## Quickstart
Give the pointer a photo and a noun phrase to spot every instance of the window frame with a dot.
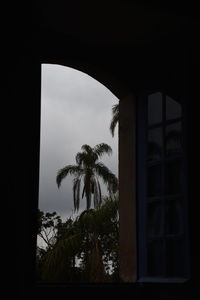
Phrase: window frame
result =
(142, 163)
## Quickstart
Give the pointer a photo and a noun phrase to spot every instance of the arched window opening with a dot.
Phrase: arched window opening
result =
(78, 192)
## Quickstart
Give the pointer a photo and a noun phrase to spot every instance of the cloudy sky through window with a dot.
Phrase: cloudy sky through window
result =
(75, 110)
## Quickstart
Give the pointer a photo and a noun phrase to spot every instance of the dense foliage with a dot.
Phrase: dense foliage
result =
(81, 250)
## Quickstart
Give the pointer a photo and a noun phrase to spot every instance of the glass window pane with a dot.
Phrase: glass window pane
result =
(154, 215)
(155, 258)
(173, 177)
(173, 109)
(154, 151)
(174, 258)
(154, 181)
(173, 139)
(173, 217)
(154, 108)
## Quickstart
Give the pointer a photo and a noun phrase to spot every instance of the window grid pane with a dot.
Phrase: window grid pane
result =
(155, 108)
(173, 138)
(164, 210)
(155, 259)
(155, 144)
(173, 109)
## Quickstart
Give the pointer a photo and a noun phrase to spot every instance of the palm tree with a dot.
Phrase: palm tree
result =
(87, 170)
(115, 118)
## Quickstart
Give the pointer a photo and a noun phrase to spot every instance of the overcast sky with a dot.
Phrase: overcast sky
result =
(75, 110)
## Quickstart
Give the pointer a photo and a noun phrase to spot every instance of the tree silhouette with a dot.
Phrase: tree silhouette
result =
(88, 170)
(93, 239)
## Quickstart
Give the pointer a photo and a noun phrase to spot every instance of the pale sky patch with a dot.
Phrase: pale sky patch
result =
(76, 109)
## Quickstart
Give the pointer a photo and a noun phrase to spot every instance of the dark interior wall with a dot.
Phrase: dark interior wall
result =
(21, 121)
(193, 169)
(163, 63)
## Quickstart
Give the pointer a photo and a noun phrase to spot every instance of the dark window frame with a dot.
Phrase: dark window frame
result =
(142, 128)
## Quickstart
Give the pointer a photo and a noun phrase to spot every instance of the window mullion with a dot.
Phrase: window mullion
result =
(163, 182)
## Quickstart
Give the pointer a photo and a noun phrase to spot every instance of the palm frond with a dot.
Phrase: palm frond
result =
(101, 149)
(83, 192)
(108, 177)
(86, 148)
(115, 109)
(86, 158)
(115, 118)
(78, 196)
(80, 156)
(76, 193)
(99, 189)
(88, 187)
(70, 169)
(95, 197)
(95, 192)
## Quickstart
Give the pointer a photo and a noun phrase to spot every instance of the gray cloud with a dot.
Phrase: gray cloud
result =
(75, 110)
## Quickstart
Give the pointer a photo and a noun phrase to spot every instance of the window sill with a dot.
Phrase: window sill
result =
(162, 280)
